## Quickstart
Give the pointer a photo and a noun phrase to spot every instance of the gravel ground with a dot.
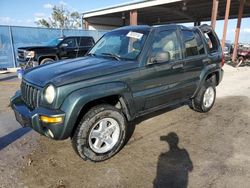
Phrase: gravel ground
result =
(178, 148)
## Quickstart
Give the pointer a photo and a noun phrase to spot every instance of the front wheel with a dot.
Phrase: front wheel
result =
(100, 134)
(204, 100)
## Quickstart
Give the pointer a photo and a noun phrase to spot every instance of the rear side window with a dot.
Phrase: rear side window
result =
(85, 41)
(211, 42)
(199, 43)
(190, 43)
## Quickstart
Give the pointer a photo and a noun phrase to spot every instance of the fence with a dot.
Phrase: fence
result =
(13, 37)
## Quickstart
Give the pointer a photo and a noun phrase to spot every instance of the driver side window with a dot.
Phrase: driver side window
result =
(71, 42)
(167, 43)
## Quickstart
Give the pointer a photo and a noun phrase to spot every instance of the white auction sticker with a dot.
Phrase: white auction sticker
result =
(134, 35)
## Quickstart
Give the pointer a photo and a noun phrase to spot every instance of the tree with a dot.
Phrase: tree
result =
(61, 18)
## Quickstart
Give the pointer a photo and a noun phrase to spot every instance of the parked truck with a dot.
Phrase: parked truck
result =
(54, 50)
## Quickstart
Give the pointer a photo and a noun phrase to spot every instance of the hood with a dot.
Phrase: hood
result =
(69, 71)
(29, 48)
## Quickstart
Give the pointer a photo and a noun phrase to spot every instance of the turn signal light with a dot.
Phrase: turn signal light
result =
(47, 119)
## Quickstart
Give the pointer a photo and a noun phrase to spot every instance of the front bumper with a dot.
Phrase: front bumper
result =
(31, 118)
(26, 62)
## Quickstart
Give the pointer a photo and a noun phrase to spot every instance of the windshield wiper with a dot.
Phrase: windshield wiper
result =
(115, 56)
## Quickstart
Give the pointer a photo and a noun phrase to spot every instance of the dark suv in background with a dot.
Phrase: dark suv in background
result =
(56, 49)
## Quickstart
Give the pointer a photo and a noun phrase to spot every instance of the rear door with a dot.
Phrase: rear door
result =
(194, 56)
(84, 43)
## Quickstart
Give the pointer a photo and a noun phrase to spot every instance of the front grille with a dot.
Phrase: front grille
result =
(30, 95)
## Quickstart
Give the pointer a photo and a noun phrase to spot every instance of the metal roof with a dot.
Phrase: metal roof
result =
(126, 7)
(154, 12)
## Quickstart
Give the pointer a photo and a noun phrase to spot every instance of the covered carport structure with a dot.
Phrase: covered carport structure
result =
(154, 12)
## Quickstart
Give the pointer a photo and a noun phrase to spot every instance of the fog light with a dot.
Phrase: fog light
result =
(47, 119)
(49, 133)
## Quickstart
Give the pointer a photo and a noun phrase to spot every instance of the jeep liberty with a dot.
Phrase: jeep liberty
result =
(131, 71)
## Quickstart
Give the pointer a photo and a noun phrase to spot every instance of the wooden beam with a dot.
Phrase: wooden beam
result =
(225, 24)
(237, 31)
(214, 13)
(133, 17)
(86, 24)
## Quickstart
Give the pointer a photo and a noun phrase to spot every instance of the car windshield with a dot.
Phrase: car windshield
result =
(120, 44)
(53, 42)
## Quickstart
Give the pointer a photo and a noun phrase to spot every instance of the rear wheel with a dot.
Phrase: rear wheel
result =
(100, 134)
(46, 60)
(204, 100)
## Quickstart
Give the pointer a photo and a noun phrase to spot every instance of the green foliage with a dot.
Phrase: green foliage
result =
(61, 18)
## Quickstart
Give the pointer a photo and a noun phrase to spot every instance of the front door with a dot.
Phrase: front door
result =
(69, 48)
(163, 80)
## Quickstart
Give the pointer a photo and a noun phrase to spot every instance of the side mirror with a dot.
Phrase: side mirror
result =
(160, 57)
(64, 45)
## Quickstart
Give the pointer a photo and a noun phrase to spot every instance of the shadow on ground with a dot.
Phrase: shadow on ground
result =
(8, 78)
(174, 165)
(13, 136)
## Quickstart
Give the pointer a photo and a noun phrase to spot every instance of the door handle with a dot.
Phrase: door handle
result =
(177, 66)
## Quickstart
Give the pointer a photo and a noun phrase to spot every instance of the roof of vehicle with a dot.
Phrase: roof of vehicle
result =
(135, 27)
(147, 27)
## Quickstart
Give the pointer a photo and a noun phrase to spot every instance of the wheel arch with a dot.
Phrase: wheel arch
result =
(116, 100)
(213, 72)
(77, 104)
(51, 56)
(214, 77)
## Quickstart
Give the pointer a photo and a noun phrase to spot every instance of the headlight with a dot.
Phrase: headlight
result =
(49, 94)
(29, 54)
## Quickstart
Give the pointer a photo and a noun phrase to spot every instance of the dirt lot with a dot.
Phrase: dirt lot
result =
(177, 148)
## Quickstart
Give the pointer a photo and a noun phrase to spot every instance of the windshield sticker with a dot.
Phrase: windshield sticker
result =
(134, 35)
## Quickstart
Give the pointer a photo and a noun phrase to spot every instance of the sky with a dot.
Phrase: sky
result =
(26, 12)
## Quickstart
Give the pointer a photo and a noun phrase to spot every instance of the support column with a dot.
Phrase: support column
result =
(86, 24)
(123, 19)
(237, 31)
(225, 24)
(133, 17)
(214, 13)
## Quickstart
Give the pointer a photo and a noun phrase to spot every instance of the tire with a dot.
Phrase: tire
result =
(46, 60)
(204, 100)
(100, 134)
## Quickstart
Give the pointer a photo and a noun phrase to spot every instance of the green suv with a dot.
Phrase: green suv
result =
(130, 72)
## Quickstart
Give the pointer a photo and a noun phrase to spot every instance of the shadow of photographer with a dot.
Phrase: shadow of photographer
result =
(173, 166)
